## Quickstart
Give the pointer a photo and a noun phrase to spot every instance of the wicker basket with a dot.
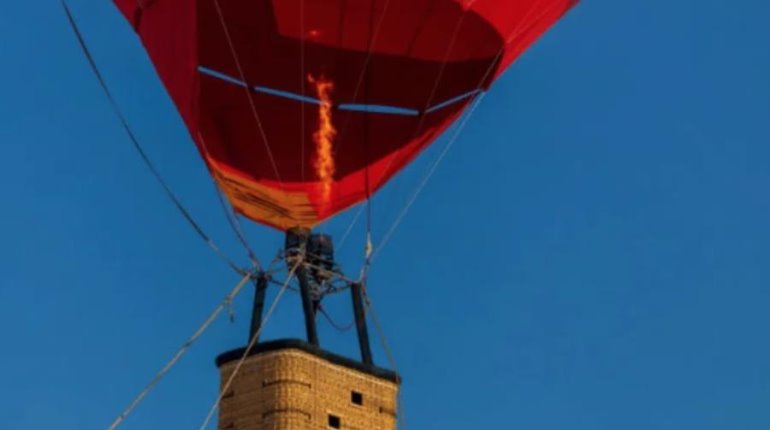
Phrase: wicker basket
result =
(293, 385)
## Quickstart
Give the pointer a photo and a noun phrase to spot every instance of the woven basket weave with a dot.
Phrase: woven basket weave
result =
(293, 388)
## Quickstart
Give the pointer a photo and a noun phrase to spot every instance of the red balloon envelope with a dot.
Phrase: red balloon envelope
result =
(302, 108)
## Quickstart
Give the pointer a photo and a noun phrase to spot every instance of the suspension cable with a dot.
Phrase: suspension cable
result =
(229, 211)
(302, 85)
(248, 91)
(514, 33)
(470, 109)
(352, 224)
(436, 82)
(180, 352)
(368, 246)
(426, 178)
(374, 32)
(135, 141)
(235, 225)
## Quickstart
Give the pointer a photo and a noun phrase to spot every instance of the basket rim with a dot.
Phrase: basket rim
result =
(297, 344)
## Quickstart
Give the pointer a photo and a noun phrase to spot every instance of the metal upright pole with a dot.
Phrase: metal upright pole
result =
(359, 312)
(259, 305)
(296, 253)
(307, 305)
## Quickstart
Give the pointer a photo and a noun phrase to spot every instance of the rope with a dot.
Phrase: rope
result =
(426, 178)
(338, 327)
(470, 110)
(271, 268)
(336, 274)
(372, 40)
(353, 222)
(369, 251)
(439, 76)
(386, 348)
(182, 350)
(441, 69)
(514, 33)
(230, 214)
(250, 346)
(235, 225)
(374, 32)
(135, 141)
(302, 84)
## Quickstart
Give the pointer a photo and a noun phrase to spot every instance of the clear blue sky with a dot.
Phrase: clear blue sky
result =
(594, 253)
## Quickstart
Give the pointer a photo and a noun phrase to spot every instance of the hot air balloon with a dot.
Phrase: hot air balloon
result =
(402, 71)
(303, 108)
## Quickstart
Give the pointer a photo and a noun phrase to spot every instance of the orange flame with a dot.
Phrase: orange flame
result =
(324, 137)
